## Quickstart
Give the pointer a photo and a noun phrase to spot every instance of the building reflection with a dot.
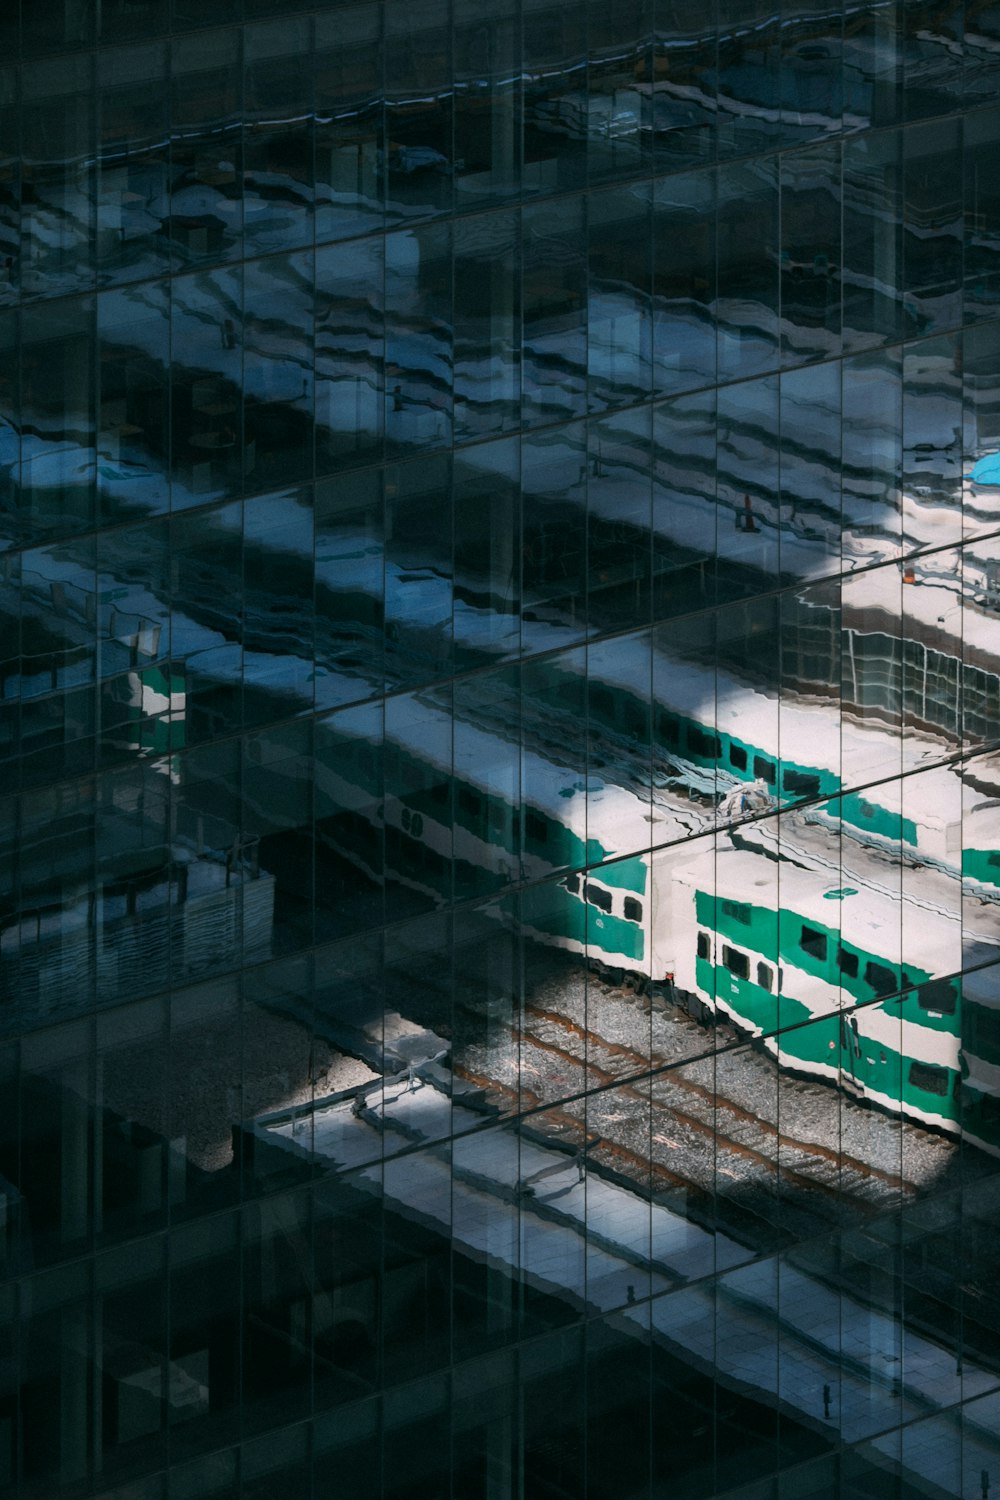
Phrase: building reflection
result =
(499, 708)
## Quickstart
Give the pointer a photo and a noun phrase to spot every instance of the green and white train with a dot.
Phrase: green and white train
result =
(816, 974)
(712, 733)
(822, 976)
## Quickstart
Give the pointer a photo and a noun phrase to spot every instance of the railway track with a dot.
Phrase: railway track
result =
(786, 1152)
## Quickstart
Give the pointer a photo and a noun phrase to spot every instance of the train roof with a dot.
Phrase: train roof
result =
(870, 915)
(792, 728)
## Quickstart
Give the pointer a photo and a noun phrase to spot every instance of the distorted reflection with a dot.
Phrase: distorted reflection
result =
(499, 787)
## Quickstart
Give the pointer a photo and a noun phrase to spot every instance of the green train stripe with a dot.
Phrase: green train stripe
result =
(777, 937)
(981, 1031)
(870, 818)
(982, 865)
(713, 749)
(568, 916)
(830, 1043)
(623, 875)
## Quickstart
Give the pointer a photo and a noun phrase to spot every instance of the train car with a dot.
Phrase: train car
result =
(436, 806)
(713, 733)
(823, 1004)
(981, 1057)
(447, 797)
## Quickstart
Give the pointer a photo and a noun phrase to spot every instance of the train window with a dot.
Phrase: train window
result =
(737, 756)
(597, 897)
(765, 769)
(881, 979)
(700, 742)
(572, 884)
(847, 963)
(736, 962)
(739, 910)
(499, 814)
(764, 976)
(930, 1079)
(704, 945)
(800, 783)
(981, 1025)
(469, 801)
(985, 1110)
(633, 909)
(602, 703)
(813, 942)
(535, 828)
(670, 729)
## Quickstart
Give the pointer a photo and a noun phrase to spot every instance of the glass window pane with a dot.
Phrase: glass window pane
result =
(683, 282)
(206, 150)
(487, 612)
(278, 370)
(684, 505)
(278, 136)
(133, 199)
(419, 572)
(749, 62)
(554, 479)
(207, 371)
(812, 53)
(57, 222)
(555, 95)
(350, 341)
(487, 326)
(619, 324)
(618, 520)
(680, 112)
(11, 169)
(554, 310)
(419, 309)
(810, 472)
(279, 624)
(749, 445)
(619, 42)
(873, 242)
(419, 94)
(487, 96)
(873, 64)
(932, 226)
(871, 461)
(982, 137)
(58, 469)
(133, 443)
(349, 129)
(811, 259)
(747, 305)
(207, 618)
(350, 853)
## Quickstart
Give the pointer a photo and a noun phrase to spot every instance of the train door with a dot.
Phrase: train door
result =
(850, 1053)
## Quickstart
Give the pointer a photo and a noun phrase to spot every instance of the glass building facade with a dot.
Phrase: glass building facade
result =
(499, 750)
